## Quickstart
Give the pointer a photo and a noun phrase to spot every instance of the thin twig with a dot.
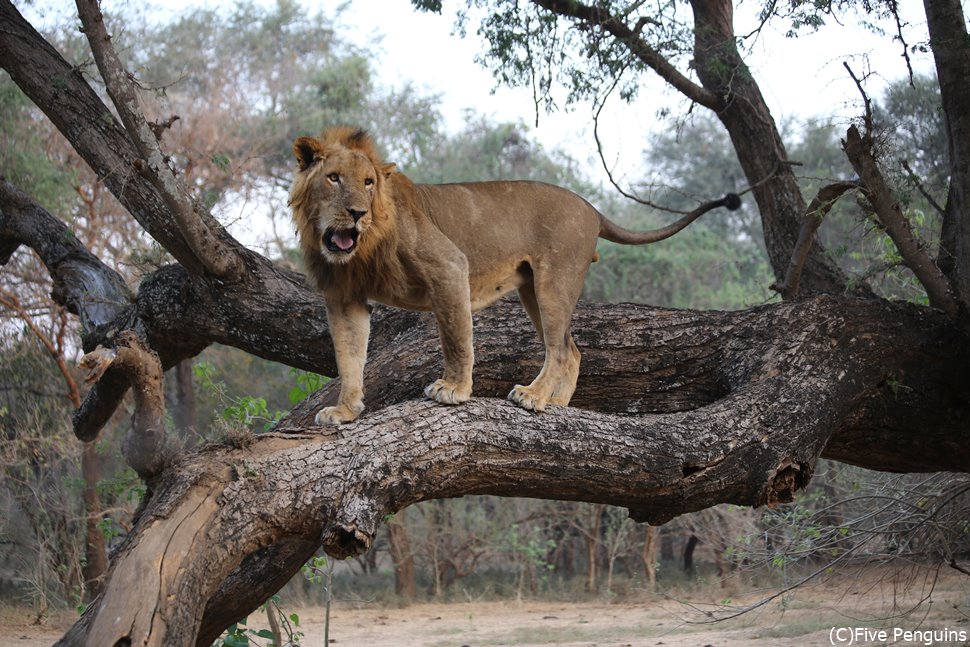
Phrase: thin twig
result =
(602, 156)
(919, 187)
(867, 118)
(894, 10)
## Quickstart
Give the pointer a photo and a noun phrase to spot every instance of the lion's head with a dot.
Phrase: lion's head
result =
(340, 197)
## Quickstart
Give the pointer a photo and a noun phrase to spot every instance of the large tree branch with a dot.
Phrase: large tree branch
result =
(145, 447)
(772, 389)
(203, 235)
(60, 90)
(858, 149)
(82, 283)
(820, 205)
(632, 362)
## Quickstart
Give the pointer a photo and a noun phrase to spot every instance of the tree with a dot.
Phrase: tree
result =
(676, 410)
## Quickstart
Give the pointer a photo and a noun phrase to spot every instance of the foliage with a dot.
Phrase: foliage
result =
(529, 47)
(225, 381)
(240, 634)
(23, 136)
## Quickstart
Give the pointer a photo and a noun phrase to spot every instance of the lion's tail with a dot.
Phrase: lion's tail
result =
(617, 234)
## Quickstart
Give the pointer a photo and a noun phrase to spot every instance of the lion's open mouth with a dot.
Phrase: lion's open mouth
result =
(340, 240)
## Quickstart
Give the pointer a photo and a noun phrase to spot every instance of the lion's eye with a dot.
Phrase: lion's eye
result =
(369, 181)
(333, 177)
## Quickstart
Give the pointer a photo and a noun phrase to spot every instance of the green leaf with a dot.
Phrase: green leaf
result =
(221, 161)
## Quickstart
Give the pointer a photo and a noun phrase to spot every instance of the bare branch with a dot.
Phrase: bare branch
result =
(922, 189)
(9, 300)
(626, 194)
(602, 156)
(858, 148)
(821, 204)
(199, 232)
(893, 6)
(867, 117)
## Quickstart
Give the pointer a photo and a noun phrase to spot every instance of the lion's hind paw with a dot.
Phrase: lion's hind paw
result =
(526, 398)
(447, 392)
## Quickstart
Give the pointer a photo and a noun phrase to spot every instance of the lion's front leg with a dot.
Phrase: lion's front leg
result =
(451, 301)
(349, 329)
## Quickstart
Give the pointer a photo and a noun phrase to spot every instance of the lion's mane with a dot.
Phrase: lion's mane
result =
(375, 263)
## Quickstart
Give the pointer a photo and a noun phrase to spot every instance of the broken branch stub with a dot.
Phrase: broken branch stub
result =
(145, 447)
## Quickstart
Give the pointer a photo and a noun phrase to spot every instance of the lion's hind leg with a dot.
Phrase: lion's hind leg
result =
(555, 383)
(550, 307)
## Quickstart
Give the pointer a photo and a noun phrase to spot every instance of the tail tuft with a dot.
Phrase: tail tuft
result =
(732, 201)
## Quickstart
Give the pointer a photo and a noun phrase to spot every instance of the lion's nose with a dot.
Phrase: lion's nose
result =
(356, 214)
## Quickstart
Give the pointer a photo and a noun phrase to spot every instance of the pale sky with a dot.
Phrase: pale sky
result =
(802, 77)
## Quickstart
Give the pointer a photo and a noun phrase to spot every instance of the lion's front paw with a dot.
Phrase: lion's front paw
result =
(337, 415)
(527, 398)
(447, 392)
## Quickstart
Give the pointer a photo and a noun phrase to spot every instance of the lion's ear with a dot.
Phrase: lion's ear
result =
(387, 169)
(306, 150)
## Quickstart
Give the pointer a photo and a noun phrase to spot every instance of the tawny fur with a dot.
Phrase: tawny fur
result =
(449, 248)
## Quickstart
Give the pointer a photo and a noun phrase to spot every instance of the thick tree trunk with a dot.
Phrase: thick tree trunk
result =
(951, 50)
(689, 547)
(648, 555)
(95, 548)
(405, 585)
(591, 534)
(758, 144)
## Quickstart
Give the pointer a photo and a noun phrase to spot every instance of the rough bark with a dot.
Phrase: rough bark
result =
(744, 404)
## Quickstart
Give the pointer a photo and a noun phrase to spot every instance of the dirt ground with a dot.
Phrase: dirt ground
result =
(846, 610)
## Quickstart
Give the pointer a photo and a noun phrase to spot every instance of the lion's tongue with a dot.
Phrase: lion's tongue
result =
(343, 240)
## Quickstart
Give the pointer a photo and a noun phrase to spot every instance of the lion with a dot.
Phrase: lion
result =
(368, 233)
